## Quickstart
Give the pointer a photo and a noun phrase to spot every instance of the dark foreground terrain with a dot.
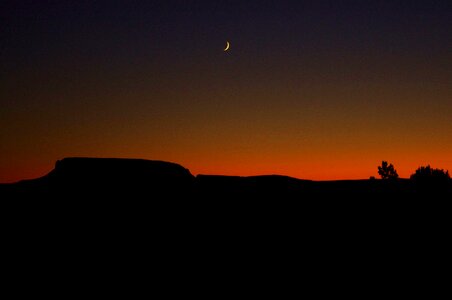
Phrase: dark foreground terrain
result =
(108, 178)
(119, 220)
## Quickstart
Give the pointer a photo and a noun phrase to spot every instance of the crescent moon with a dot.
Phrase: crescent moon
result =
(227, 46)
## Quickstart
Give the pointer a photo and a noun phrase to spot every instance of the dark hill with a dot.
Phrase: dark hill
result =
(253, 186)
(79, 176)
(115, 170)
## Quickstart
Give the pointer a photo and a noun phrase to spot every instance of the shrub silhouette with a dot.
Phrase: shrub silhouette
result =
(429, 175)
(387, 171)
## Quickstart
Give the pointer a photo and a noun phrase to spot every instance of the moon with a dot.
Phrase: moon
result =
(227, 46)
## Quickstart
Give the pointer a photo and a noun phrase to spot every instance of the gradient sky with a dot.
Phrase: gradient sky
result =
(310, 89)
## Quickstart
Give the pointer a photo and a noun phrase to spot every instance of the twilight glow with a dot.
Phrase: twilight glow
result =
(310, 89)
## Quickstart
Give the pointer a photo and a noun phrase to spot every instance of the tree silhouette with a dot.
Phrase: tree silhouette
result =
(428, 174)
(387, 171)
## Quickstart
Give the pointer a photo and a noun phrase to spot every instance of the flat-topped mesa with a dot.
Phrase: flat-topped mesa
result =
(113, 175)
(106, 178)
(118, 169)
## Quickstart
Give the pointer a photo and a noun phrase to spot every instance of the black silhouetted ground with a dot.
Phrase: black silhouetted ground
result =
(118, 217)
(108, 178)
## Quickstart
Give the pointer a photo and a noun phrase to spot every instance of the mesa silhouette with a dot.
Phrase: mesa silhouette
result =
(148, 179)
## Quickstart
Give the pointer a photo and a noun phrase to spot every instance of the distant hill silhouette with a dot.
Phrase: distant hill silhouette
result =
(81, 178)
(91, 211)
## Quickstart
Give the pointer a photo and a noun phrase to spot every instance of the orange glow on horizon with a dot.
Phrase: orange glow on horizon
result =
(318, 169)
(312, 91)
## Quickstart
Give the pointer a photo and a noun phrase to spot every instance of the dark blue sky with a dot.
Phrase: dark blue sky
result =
(127, 32)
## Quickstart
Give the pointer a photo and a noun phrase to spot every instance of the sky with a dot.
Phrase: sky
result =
(320, 90)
